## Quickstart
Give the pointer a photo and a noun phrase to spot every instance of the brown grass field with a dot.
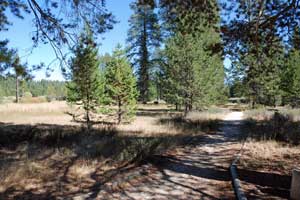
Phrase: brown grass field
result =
(45, 154)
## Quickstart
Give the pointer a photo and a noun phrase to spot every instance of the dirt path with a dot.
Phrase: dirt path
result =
(196, 171)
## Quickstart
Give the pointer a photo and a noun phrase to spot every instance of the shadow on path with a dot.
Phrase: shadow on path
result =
(197, 170)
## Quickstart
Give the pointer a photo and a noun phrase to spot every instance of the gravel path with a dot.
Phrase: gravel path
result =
(196, 171)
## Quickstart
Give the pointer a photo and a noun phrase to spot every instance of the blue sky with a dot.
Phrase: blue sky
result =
(20, 34)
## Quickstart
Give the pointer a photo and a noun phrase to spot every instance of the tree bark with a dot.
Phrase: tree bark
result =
(17, 89)
(88, 121)
(119, 111)
(186, 109)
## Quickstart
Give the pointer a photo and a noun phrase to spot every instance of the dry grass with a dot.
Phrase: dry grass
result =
(281, 125)
(43, 152)
(146, 123)
(259, 114)
(270, 156)
(209, 114)
(267, 114)
(42, 113)
(294, 114)
(53, 107)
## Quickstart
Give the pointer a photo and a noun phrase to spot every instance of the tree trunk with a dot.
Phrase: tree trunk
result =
(252, 102)
(119, 111)
(17, 89)
(144, 76)
(186, 109)
(88, 121)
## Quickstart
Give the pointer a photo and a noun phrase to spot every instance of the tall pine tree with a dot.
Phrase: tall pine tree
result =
(193, 69)
(143, 36)
(120, 85)
(84, 87)
(254, 32)
(20, 72)
(290, 78)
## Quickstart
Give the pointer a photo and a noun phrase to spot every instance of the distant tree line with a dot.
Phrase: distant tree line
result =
(47, 88)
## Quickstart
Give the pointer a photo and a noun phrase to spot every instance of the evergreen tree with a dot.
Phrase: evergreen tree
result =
(261, 66)
(174, 11)
(21, 72)
(237, 88)
(194, 77)
(50, 92)
(84, 87)
(120, 84)
(57, 22)
(254, 34)
(2, 94)
(6, 55)
(290, 78)
(193, 69)
(143, 36)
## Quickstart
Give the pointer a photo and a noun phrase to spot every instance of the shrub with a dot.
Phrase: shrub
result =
(41, 99)
(50, 98)
(27, 95)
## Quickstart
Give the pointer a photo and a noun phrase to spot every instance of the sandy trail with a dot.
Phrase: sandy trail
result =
(234, 116)
(195, 171)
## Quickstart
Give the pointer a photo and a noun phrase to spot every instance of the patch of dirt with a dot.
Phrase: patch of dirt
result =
(195, 171)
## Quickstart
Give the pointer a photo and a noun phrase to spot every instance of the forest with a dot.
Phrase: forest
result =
(54, 89)
(201, 100)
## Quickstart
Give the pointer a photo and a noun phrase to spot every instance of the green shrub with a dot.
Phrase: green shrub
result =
(27, 95)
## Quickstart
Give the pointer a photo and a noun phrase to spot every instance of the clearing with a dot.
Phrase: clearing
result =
(196, 171)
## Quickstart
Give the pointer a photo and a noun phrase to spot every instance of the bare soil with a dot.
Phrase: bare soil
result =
(195, 171)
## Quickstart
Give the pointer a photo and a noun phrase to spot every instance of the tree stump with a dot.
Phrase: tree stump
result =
(295, 188)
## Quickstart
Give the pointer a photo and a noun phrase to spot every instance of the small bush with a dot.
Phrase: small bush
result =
(41, 99)
(9, 99)
(27, 95)
(50, 98)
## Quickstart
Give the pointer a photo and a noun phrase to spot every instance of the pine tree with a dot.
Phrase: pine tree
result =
(120, 84)
(6, 56)
(21, 72)
(195, 78)
(193, 71)
(261, 66)
(2, 93)
(50, 92)
(290, 78)
(254, 34)
(143, 36)
(174, 11)
(85, 87)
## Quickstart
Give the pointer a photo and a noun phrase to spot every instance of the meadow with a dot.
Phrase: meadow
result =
(44, 153)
